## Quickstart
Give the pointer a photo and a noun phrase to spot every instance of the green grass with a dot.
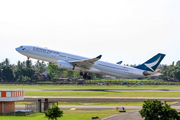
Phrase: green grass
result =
(104, 93)
(66, 116)
(16, 86)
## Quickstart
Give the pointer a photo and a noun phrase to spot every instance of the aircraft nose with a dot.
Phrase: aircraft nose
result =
(17, 49)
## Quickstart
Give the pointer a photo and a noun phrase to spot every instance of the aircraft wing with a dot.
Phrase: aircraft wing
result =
(85, 63)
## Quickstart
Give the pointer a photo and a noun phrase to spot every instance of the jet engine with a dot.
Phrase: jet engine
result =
(65, 65)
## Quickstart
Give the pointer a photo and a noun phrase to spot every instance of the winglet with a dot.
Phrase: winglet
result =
(99, 57)
(119, 62)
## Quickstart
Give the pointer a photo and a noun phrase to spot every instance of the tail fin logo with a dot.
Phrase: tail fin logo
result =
(150, 65)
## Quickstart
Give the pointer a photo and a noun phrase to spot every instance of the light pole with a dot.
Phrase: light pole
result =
(1, 74)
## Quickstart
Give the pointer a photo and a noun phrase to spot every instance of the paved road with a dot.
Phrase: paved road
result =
(84, 107)
(97, 99)
(125, 116)
(96, 89)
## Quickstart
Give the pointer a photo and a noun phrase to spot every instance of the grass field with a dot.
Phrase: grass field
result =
(21, 86)
(104, 80)
(82, 115)
(104, 93)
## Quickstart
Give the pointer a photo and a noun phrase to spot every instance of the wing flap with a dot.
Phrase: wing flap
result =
(85, 63)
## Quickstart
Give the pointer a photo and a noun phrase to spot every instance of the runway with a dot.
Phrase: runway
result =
(98, 90)
(98, 107)
(97, 99)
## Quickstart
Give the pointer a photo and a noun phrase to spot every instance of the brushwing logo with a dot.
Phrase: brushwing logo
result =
(150, 65)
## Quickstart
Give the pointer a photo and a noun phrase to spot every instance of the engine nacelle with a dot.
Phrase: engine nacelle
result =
(65, 65)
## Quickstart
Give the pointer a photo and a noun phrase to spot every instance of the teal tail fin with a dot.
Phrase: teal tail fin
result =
(152, 63)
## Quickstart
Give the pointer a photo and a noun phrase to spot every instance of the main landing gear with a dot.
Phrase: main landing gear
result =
(27, 60)
(85, 75)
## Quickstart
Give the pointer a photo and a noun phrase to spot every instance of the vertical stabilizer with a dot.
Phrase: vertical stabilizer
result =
(152, 63)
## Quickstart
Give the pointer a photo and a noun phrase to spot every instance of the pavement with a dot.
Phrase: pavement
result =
(84, 107)
(96, 99)
(125, 116)
(95, 89)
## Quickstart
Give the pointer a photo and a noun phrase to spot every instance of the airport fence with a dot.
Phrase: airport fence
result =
(93, 82)
(20, 110)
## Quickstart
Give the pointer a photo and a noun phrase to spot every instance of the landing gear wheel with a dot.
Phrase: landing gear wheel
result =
(27, 60)
(81, 73)
(85, 76)
(88, 77)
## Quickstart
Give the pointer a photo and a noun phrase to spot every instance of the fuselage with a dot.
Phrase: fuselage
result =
(102, 67)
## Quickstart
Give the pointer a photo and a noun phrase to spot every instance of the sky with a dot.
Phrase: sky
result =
(131, 31)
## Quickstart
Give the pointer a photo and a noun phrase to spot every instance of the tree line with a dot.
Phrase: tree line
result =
(25, 71)
(171, 72)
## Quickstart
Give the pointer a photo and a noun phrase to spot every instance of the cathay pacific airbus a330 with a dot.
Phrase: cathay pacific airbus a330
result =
(83, 64)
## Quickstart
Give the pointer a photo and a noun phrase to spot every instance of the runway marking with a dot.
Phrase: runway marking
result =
(109, 117)
(73, 109)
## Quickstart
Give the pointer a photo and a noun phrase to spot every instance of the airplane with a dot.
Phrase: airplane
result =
(94, 65)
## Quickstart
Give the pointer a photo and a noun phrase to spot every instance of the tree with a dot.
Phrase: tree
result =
(28, 63)
(28, 72)
(54, 71)
(53, 113)
(7, 62)
(170, 72)
(99, 75)
(156, 110)
(24, 69)
(177, 75)
(68, 73)
(40, 67)
(76, 74)
(173, 63)
(26, 79)
(178, 63)
(7, 73)
(92, 75)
